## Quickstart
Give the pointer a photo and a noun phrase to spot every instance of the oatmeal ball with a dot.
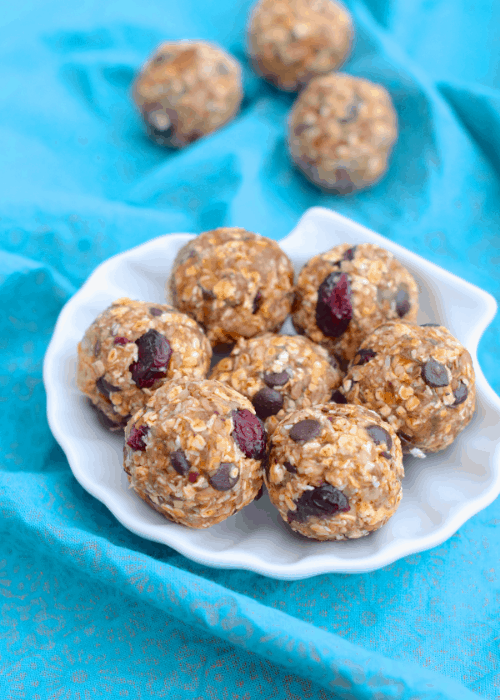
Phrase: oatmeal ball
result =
(344, 294)
(279, 374)
(420, 379)
(131, 349)
(233, 282)
(186, 90)
(334, 472)
(194, 452)
(340, 132)
(292, 41)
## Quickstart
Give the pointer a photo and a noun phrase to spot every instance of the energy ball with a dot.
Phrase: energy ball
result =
(279, 374)
(292, 41)
(344, 294)
(340, 132)
(236, 284)
(186, 90)
(131, 349)
(194, 452)
(334, 472)
(420, 379)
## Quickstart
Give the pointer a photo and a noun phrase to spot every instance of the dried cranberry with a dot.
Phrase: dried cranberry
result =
(334, 308)
(154, 355)
(135, 440)
(267, 402)
(322, 502)
(192, 476)
(435, 374)
(120, 340)
(350, 253)
(249, 434)
(365, 356)
(338, 397)
(105, 387)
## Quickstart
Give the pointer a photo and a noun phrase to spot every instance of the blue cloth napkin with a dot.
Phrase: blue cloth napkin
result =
(89, 610)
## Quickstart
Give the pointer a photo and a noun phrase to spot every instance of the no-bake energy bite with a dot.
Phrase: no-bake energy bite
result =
(341, 131)
(235, 283)
(420, 379)
(344, 294)
(334, 472)
(186, 90)
(292, 41)
(131, 349)
(194, 452)
(279, 374)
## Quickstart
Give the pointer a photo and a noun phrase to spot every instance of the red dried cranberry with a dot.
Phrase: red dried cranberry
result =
(135, 440)
(120, 340)
(334, 308)
(249, 434)
(350, 253)
(192, 476)
(322, 502)
(154, 355)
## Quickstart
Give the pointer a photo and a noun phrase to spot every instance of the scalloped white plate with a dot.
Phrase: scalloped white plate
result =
(440, 492)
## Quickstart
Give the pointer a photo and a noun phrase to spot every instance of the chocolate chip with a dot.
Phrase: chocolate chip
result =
(385, 454)
(276, 378)
(105, 387)
(343, 184)
(120, 340)
(290, 468)
(135, 440)
(405, 439)
(379, 435)
(402, 302)
(322, 502)
(207, 294)
(154, 311)
(460, 394)
(338, 397)
(260, 493)
(350, 253)
(257, 302)
(305, 430)
(154, 355)
(179, 462)
(435, 374)
(365, 356)
(430, 325)
(267, 402)
(249, 433)
(225, 477)
(334, 308)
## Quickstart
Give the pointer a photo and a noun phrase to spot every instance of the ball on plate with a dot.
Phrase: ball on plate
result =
(292, 41)
(344, 294)
(194, 452)
(186, 90)
(235, 283)
(279, 374)
(341, 130)
(334, 472)
(131, 349)
(420, 379)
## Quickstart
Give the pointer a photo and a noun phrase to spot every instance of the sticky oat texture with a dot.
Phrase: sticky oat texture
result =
(279, 374)
(420, 379)
(292, 41)
(173, 346)
(233, 282)
(186, 90)
(334, 472)
(186, 453)
(341, 130)
(342, 295)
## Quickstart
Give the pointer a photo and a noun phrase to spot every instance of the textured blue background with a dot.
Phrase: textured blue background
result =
(88, 610)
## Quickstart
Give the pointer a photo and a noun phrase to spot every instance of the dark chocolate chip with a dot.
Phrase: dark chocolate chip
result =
(260, 493)
(105, 387)
(276, 378)
(385, 454)
(179, 462)
(106, 422)
(154, 311)
(207, 294)
(120, 340)
(135, 440)
(350, 253)
(290, 468)
(154, 355)
(249, 433)
(364, 356)
(225, 477)
(305, 430)
(430, 325)
(334, 308)
(435, 374)
(402, 302)
(322, 502)
(460, 394)
(379, 435)
(405, 439)
(267, 402)
(257, 302)
(343, 184)
(338, 397)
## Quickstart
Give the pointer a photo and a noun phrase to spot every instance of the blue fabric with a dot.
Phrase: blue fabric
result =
(89, 610)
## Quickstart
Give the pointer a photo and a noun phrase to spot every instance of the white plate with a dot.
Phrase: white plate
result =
(440, 492)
